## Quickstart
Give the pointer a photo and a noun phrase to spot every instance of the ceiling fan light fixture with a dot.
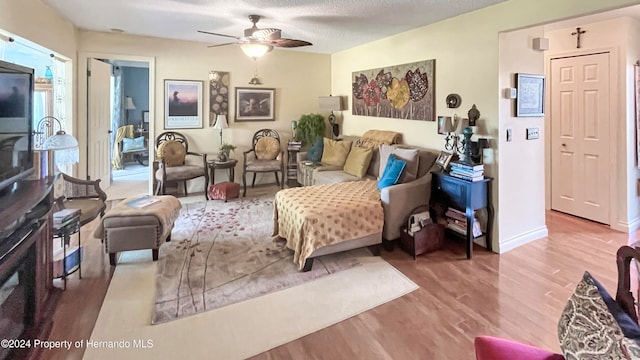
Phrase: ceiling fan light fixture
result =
(255, 50)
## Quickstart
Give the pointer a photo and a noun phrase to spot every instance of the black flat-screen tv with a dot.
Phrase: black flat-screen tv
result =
(16, 123)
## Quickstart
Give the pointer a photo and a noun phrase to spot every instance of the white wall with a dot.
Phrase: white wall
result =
(466, 49)
(298, 77)
(632, 138)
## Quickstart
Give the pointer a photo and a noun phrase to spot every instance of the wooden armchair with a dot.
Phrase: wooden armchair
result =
(172, 148)
(85, 195)
(265, 155)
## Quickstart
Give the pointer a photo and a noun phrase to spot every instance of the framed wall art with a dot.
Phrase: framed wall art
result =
(182, 104)
(145, 116)
(254, 104)
(218, 94)
(404, 91)
(530, 95)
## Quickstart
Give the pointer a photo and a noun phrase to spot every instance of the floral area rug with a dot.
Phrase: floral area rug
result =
(224, 253)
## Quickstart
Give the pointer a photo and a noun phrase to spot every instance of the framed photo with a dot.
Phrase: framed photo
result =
(145, 116)
(443, 159)
(182, 104)
(530, 95)
(255, 104)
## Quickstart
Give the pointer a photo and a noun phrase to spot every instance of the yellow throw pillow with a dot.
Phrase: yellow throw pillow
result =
(335, 152)
(358, 161)
(173, 153)
(267, 148)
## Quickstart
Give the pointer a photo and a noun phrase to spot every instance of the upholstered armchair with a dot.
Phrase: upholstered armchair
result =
(85, 195)
(264, 156)
(172, 150)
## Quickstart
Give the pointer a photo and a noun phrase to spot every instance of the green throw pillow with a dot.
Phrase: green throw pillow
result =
(358, 161)
(133, 144)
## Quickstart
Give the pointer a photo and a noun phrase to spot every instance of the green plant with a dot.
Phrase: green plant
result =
(227, 148)
(310, 127)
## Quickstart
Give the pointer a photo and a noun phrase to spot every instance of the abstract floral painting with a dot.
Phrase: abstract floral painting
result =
(218, 95)
(404, 91)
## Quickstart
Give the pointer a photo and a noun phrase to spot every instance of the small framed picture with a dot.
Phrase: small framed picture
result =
(253, 104)
(145, 116)
(443, 159)
(530, 95)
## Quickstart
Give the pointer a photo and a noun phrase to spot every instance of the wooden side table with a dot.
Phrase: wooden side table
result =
(467, 196)
(215, 164)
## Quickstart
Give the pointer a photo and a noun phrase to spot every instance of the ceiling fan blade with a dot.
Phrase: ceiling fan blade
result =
(229, 43)
(268, 34)
(212, 33)
(290, 43)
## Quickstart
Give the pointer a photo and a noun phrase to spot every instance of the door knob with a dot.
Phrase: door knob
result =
(564, 145)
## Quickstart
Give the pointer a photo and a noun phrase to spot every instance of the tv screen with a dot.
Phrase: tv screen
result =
(16, 112)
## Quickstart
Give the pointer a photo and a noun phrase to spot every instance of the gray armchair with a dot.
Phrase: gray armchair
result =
(265, 155)
(173, 149)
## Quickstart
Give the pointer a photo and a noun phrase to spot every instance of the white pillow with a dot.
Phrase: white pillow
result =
(411, 156)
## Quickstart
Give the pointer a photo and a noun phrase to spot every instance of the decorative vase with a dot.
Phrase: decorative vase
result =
(223, 156)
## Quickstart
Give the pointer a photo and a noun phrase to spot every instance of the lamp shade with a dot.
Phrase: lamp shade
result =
(221, 122)
(65, 148)
(254, 50)
(330, 103)
(128, 103)
(448, 125)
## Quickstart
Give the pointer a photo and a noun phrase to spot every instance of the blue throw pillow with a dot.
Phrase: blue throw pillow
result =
(133, 144)
(315, 152)
(392, 172)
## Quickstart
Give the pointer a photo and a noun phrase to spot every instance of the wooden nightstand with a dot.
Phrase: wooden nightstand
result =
(466, 196)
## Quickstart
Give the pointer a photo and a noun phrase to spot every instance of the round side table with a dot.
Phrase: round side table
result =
(215, 164)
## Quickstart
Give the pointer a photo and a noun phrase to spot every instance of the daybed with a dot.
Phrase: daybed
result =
(397, 200)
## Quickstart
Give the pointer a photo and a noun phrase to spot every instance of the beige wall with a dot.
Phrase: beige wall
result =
(298, 77)
(466, 49)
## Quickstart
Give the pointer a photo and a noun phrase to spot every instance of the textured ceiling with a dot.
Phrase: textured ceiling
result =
(331, 25)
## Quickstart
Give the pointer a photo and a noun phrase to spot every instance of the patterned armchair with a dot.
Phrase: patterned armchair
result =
(172, 149)
(265, 155)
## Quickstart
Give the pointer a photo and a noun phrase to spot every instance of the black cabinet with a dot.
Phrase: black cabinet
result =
(465, 196)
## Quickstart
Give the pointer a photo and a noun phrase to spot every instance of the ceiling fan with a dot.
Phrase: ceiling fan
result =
(257, 42)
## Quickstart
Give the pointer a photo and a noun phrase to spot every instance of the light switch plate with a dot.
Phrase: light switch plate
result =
(533, 133)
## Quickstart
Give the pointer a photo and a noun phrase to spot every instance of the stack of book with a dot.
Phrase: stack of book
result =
(294, 145)
(457, 221)
(62, 216)
(467, 172)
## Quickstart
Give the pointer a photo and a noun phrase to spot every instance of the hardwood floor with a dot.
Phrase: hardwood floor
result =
(518, 295)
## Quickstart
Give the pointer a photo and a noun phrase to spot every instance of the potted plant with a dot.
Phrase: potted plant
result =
(310, 127)
(224, 151)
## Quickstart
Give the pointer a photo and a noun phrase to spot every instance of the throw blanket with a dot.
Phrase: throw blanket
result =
(166, 210)
(123, 132)
(311, 217)
(373, 138)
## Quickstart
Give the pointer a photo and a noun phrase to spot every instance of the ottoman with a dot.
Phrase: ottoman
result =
(224, 191)
(127, 226)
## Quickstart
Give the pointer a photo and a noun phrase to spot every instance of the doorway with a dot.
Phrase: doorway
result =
(580, 135)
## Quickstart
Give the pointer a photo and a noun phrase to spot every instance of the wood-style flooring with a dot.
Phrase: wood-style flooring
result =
(518, 295)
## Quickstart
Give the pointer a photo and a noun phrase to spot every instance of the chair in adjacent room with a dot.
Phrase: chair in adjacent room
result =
(85, 195)
(177, 164)
(264, 156)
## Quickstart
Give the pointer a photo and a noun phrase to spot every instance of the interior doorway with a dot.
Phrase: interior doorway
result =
(580, 137)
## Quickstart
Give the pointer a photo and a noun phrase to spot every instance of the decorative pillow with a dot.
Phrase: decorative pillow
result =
(129, 144)
(173, 153)
(392, 172)
(358, 161)
(587, 330)
(267, 148)
(335, 152)
(315, 152)
(411, 156)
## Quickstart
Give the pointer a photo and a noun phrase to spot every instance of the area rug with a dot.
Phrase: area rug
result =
(222, 253)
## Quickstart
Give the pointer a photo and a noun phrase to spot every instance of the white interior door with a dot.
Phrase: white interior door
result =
(580, 136)
(99, 122)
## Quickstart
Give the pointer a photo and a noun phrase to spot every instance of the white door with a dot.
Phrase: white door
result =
(580, 136)
(99, 122)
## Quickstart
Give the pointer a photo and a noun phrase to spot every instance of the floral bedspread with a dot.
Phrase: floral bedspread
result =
(311, 217)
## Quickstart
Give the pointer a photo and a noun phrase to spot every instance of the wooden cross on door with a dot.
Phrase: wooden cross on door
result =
(578, 32)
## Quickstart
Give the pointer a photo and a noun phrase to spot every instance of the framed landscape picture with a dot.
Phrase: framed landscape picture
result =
(182, 104)
(255, 104)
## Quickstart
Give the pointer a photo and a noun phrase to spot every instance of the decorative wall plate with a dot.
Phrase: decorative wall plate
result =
(453, 101)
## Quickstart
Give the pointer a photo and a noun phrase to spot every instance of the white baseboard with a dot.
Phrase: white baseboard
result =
(627, 227)
(522, 239)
